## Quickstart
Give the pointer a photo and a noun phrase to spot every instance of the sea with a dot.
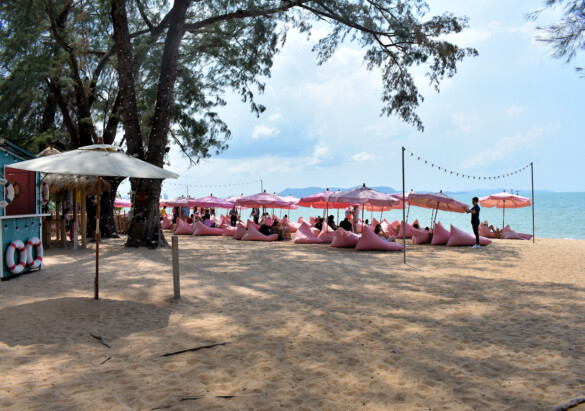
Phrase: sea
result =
(556, 215)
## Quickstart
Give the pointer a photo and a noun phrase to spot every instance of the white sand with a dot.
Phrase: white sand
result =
(306, 327)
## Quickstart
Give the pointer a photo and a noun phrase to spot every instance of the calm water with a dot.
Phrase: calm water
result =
(557, 215)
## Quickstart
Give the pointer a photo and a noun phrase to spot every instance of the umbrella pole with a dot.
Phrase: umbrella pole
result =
(404, 209)
(503, 214)
(407, 214)
(363, 207)
(532, 180)
(97, 241)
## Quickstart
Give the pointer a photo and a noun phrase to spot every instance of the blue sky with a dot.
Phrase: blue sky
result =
(511, 105)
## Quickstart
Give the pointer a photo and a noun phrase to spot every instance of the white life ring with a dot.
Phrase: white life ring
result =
(8, 192)
(10, 251)
(36, 243)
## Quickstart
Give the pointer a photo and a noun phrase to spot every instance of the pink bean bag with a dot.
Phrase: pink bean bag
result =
(304, 235)
(375, 223)
(326, 235)
(460, 237)
(229, 231)
(344, 239)
(311, 220)
(202, 229)
(372, 242)
(486, 232)
(440, 235)
(512, 235)
(301, 220)
(166, 223)
(293, 227)
(182, 228)
(253, 223)
(315, 231)
(240, 231)
(525, 236)
(408, 231)
(254, 235)
(269, 222)
(421, 236)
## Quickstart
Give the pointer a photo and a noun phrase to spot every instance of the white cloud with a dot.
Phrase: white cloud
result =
(275, 117)
(320, 152)
(464, 122)
(507, 147)
(514, 110)
(265, 131)
(363, 156)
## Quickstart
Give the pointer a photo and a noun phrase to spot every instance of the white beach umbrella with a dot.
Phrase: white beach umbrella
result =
(101, 160)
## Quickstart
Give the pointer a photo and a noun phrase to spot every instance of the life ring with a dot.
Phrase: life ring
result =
(8, 192)
(10, 251)
(36, 243)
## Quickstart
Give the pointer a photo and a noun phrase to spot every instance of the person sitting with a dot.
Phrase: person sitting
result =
(264, 229)
(379, 232)
(331, 222)
(345, 224)
(415, 225)
(319, 223)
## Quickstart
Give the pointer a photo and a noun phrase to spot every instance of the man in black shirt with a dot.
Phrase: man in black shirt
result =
(345, 224)
(474, 219)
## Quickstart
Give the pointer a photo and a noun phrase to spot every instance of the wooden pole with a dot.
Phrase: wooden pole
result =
(83, 219)
(532, 180)
(403, 209)
(176, 279)
(97, 241)
(75, 218)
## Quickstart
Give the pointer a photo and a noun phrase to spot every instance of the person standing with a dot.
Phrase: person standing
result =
(255, 214)
(233, 216)
(474, 211)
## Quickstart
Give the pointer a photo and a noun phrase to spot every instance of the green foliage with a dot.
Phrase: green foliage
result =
(228, 45)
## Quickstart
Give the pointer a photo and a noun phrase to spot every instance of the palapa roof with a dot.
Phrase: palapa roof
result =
(65, 182)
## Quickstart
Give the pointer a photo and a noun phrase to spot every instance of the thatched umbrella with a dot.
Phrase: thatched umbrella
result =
(86, 185)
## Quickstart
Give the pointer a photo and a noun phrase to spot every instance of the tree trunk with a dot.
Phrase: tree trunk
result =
(108, 228)
(144, 228)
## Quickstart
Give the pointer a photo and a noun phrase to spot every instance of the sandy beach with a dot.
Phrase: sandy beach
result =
(301, 327)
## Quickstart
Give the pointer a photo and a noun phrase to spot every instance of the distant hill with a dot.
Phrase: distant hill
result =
(306, 191)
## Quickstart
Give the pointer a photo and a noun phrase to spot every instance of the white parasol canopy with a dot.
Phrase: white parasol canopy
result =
(102, 160)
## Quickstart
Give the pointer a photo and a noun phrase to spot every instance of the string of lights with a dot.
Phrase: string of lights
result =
(462, 175)
(212, 185)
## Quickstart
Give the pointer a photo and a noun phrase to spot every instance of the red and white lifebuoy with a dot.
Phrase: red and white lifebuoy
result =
(36, 243)
(16, 268)
(8, 192)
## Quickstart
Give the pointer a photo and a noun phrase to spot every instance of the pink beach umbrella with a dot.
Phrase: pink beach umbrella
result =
(321, 200)
(504, 200)
(179, 201)
(263, 200)
(122, 202)
(364, 195)
(436, 202)
(210, 201)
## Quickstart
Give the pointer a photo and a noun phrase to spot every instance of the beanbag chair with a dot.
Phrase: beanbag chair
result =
(240, 231)
(293, 227)
(315, 231)
(253, 223)
(305, 236)
(486, 232)
(408, 231)
(371, 242)
(440, 235)
(375, 223)
(326, 235)
(311, 220)
(269, 222)
(511, 235)
(460, 237)
(421, 236)
(301, 220)
(344, 239)
(166, 223)
(229, 231)
(254, 235)
(525, 236)
(203, 229)
(182, 228)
